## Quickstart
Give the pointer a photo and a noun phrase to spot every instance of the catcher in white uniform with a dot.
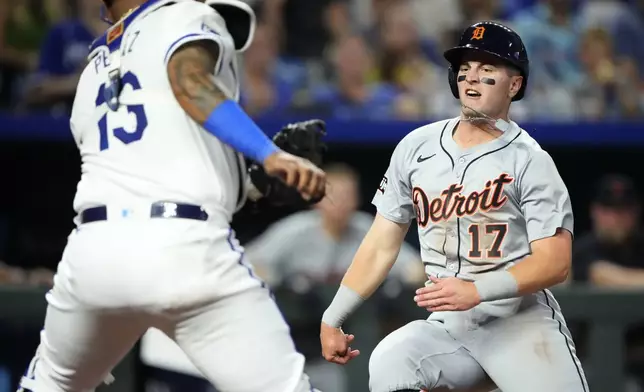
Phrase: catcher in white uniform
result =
(163, 141)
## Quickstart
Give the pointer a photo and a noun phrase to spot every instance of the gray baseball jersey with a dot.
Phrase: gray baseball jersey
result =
(477, 209)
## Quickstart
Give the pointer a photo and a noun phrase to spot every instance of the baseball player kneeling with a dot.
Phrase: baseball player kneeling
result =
(495, 225)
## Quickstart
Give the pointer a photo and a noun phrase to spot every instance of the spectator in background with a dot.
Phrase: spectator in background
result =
(305, 29)
(315, 247)
(473, 11)
(351, 96)
(63, 56)
(434, 25)
(512, 7)
(551, 32)
(611, 88)
(17, 274)
(319, 244)
(468, 12)
(23, 24)
(13, 275)
(625, 23)
(264, 89)
(402, 63)
(612, 255)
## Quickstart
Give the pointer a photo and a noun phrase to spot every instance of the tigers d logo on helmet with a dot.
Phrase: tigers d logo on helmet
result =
(478, 32)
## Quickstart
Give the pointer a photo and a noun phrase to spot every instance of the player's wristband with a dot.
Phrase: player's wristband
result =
(497, 285)
(231, 125)
(345, 302)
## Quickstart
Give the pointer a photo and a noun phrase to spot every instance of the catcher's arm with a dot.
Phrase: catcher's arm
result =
(190, 72)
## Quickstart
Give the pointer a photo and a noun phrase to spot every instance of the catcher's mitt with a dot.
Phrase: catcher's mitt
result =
(303, 139)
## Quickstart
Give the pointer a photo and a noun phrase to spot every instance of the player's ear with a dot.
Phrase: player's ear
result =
(516, 81)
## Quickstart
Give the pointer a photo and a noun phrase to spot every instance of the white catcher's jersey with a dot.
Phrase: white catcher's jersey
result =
(477, 209)
(148, 149)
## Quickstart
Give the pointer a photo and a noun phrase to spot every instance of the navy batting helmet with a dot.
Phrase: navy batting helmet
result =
(495, 39)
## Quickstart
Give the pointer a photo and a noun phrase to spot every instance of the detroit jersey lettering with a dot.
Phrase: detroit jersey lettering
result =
(146, 148)
(477, 209)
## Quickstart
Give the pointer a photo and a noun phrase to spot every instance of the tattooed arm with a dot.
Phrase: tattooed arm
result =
(191, 73)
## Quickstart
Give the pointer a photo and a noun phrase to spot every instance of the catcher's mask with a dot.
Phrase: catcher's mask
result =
(240, 21)
(495, 39)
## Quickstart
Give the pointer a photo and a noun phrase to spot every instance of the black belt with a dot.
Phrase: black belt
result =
(157, 210)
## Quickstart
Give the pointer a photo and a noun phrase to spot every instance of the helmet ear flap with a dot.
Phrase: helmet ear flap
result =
(453, 84)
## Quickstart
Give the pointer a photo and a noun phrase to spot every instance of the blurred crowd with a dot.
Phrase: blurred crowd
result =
(369, 59)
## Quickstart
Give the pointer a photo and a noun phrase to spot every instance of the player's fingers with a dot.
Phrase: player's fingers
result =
(321, 186)
(433, 303)
(430, 296)
(314, 183)
(332, 355)
(340, 360)
(337, 356)
(337, 359)
(303, 180)
(291, 175)
(429, 289)
(344, 359)
(444, 308)
(350, 338)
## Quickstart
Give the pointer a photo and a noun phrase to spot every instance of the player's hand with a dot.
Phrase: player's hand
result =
(298, 173)
(335, 345)
(447, 294)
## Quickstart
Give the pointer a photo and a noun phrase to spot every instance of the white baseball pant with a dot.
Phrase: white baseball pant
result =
(187, 278)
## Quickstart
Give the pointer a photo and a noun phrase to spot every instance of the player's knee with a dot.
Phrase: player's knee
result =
(392, 366)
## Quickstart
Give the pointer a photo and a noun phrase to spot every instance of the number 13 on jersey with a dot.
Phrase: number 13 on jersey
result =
(107, 92)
